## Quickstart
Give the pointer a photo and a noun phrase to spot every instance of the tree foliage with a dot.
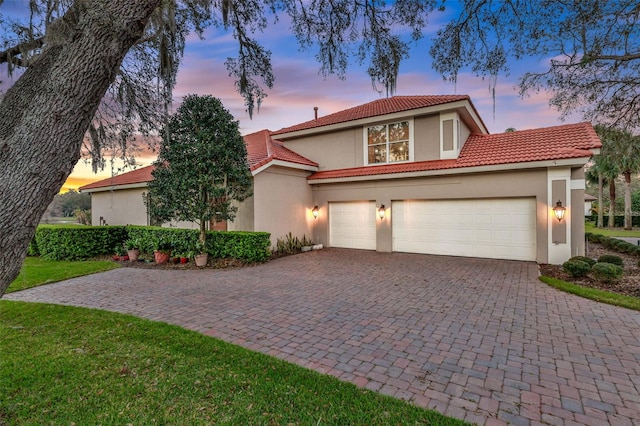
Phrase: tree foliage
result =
(202, 167)
(64, 205)
(140, 94)
(591, 48)
(102, 71)
(620, 156)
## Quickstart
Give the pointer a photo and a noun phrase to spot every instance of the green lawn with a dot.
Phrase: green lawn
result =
(38, 271)
(67, 365)
(615, 232)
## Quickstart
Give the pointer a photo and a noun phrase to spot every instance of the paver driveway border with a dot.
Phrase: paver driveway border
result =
(477, 339)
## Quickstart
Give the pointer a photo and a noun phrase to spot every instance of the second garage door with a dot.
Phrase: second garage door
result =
(353, 225)
(490, 228)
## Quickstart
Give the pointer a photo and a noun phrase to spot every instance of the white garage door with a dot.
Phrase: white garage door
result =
(353, 225)
(491, 228)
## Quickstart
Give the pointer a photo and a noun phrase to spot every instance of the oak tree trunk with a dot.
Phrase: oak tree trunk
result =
(44, 115)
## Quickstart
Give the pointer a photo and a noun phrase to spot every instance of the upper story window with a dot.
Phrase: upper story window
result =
(388, 143)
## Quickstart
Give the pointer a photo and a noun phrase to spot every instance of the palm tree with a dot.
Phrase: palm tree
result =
(622, 153)
(628, 148)
(595, 177)
(607, 168)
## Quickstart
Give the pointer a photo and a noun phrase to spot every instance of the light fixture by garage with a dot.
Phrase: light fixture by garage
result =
(315, 211)
(559, 211)
(381, 211)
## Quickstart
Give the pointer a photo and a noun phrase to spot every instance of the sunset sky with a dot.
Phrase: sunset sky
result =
(298, 86)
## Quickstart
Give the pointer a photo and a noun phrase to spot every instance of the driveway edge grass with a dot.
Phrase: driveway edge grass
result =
(601, 296)
(95, 366)
(37, 271)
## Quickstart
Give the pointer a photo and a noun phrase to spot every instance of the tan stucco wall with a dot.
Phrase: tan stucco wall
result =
(244, 216)
(577, 214)
(335, 150)
(426, 144)
(121, 207)
(282, 203)
(125, 207)
(525, 183)
(345, 148)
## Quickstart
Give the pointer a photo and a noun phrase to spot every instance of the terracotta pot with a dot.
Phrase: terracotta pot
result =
(133, 254)
(184, 260)
(161, 257)
(175, 260)
(201, 259)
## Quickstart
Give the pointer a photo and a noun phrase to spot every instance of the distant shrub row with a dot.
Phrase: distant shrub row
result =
(614, 244)
(618, 220)
(83, 242)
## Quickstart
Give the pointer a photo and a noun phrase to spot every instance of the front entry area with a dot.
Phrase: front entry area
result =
(490, 228)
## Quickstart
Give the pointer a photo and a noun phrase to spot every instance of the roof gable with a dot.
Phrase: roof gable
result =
(375, 108)
(138, 176)
(261, 150)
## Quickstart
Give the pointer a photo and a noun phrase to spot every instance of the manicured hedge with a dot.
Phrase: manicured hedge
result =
(82, 242)
(247, 246)
(76, 242)
(614, 244)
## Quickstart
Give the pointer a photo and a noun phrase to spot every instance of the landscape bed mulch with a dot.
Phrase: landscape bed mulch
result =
(628, 285)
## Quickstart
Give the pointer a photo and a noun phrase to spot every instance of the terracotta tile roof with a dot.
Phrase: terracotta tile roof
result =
(375, 108)
(136, 176)
(551, 143)
(261, 150)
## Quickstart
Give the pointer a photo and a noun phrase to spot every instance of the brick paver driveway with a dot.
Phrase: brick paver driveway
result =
(477, 339)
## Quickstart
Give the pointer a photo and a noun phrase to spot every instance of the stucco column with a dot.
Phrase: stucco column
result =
(383, 226)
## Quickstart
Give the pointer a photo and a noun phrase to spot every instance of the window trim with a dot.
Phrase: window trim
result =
(365, 139)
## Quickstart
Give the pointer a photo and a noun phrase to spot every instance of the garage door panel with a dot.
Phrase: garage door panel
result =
(492, 228)
(352, 225)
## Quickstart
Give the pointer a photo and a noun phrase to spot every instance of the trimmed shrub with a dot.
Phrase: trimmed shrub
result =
(607, 272)
(77, 242)
(585, 259)
(609, 258)
(247, 246)
(83, 242)
(576, 268)
(595, 238)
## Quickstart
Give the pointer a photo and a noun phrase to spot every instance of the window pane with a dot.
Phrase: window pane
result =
(376, 134)
(377, 154)
(399, 131)
(398, 151)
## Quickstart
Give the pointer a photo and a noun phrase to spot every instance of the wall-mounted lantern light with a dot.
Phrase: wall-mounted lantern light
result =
(315, 211)
(381, 211)
(559, 211)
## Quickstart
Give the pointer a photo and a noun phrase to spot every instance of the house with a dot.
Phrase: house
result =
(416, 174)
(588, 204)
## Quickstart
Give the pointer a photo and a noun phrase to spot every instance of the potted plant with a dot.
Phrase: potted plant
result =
(162, 253)
(184, 258)
(201, 256)
(133, 248)
(121, 254)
